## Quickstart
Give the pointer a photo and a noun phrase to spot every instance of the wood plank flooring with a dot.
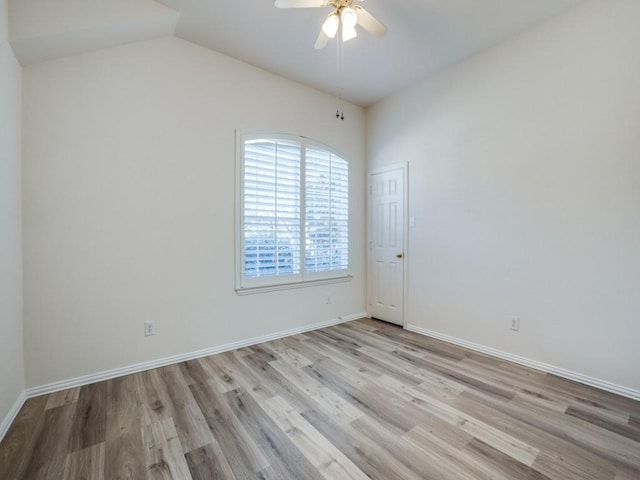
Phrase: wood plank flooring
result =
(354, 401)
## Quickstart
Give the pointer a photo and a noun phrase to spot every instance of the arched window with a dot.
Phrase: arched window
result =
(293, 212)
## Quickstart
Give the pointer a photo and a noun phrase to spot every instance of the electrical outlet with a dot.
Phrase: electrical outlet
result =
(149, 328)
(327, 299)
(515, 324)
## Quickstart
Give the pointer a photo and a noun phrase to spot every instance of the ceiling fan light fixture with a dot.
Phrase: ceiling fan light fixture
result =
(349, 17)
(330, 25)
(344, 14)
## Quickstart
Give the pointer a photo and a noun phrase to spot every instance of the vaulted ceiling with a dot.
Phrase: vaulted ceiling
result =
(423, 38)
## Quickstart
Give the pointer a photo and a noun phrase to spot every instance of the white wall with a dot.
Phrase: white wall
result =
(11, 345)
(525, 185)
(129, 166)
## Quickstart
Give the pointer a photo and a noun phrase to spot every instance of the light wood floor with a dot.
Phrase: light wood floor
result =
(359, 400)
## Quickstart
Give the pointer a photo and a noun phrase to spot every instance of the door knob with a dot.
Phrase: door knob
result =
(399, 255)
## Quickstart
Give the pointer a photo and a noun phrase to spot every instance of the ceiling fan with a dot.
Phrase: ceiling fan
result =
(345, 13)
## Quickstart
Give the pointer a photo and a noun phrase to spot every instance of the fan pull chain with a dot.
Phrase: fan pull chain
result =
(339, 62)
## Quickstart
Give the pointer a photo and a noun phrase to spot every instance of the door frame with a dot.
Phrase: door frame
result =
(405, 232)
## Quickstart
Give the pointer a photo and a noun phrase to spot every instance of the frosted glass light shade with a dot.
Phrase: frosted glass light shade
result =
(330, 25)
(348, 33)
(349, 17)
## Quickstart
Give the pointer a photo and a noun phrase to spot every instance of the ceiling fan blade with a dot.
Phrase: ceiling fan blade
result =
(322, 40)
(369, 22)
(300, 3)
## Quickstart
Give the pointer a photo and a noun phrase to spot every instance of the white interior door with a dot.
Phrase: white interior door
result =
(386, 245)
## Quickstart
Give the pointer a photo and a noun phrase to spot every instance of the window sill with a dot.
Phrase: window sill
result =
(290, 286)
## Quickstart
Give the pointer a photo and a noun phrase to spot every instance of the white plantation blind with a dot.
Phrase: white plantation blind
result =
(326, 212)
(271, 208)
(294, 212)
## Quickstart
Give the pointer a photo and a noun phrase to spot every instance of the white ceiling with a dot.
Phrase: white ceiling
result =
(42, 30)
(423, 38)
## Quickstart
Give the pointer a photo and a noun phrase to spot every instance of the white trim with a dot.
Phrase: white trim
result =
(544, 367)
(161, 362)
(288, 286)
(389, 168)
(12, 414)
(405, 265)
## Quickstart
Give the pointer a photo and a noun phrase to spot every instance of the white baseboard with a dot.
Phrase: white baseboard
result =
(12, 414)
(527, 362)
(162, 362)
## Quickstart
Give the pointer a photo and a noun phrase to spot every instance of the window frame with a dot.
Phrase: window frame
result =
(244, 285)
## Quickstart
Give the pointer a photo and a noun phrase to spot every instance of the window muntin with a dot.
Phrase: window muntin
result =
(293, 212)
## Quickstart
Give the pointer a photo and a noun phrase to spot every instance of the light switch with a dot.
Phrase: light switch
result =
(412, 222)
